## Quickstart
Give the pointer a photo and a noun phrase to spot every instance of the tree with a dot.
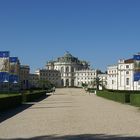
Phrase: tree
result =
(45, 84)
(84, 85)
(97, 82)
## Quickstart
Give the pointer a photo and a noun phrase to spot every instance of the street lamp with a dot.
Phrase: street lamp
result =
(6, 82)
(15, 82)
(15, 85)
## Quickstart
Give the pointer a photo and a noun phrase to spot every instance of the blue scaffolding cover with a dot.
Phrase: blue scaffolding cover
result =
(13, 59)
(13, 78)
(136, 57)
(136, 76)
(4, 54)
(4, 76)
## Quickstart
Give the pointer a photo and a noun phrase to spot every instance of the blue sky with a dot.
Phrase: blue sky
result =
(99, 31)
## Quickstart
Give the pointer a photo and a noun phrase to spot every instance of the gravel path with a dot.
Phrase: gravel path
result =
(72, 112)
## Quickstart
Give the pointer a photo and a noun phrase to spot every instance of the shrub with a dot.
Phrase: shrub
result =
(10, 102)
(28, 97)
(125, 91)
(91, 90)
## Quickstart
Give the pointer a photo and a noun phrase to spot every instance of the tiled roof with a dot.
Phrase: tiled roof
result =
(129, 61)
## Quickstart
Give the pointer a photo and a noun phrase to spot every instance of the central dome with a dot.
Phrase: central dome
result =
(67, 58)
(67, 54)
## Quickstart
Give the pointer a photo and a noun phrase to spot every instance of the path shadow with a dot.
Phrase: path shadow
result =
(80, 137)
(12, 112)
(4, 115)
(52, 107)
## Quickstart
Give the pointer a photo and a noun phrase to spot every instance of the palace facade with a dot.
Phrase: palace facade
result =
(68, 65)
(125, 75)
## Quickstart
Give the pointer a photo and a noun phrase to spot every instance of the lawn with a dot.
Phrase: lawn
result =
(3, 95)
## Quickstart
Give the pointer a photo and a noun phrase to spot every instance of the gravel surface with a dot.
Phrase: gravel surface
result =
(72, 112)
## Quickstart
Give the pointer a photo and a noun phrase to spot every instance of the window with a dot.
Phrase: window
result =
(127, 66)
(127, 81)
(127, 72)
(72, 69)
(112, 82)
(67, 69)
(139, 82)
(62, 69)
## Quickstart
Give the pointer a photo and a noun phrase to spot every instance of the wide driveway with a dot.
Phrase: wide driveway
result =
(73, 114)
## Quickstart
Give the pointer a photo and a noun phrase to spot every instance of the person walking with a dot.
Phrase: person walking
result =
(53, 89)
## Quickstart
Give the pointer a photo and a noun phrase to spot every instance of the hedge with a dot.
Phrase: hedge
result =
(91, 90)
(125, 91)
(119, 97)
(10, 102)
(29, 97)
(135, 99)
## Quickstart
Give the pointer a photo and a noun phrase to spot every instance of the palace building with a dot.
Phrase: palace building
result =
(85, 76)
(125, 75)
(68, 65)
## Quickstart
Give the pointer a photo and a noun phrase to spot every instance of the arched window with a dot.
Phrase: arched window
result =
(72, 82)
(62, 82)
(67, 82)
(62, 69)
(67, 69)
(72, 69)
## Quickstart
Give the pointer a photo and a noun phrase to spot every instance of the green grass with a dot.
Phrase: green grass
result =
(4, 95)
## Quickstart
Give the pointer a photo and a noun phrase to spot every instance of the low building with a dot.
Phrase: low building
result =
(24, 77)
(125, 75)
(85, 76)
(53, 76)
(34, 81)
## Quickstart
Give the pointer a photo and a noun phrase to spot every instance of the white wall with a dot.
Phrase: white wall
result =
(123, 76)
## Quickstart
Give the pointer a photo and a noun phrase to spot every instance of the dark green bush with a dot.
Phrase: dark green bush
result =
(29, 97)
(135, 99)
(125, 91)
(119, 97)
(91, 90)
(10, 102)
